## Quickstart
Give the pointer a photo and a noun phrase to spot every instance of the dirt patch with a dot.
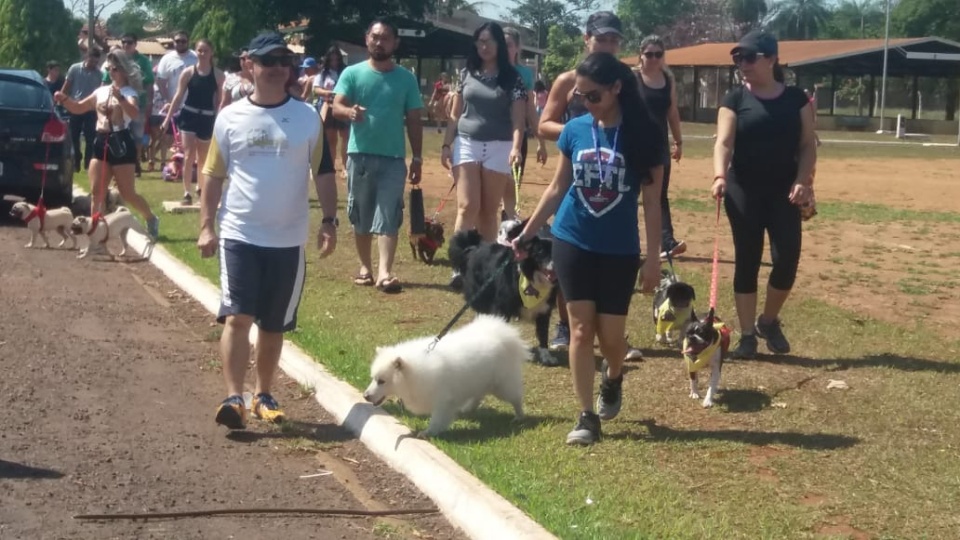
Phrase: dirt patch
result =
(760, 457)
(840, 526)
(812, 499)
(110, 382)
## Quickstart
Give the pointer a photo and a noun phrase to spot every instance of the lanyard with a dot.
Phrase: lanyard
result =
(613, 152)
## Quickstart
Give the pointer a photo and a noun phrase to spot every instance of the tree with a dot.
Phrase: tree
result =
(563, 52)
(542, 16)
(706, 21)
(35, 32)
(798, 19)
(131, 19)
(856, 19)
(644, 17)
(747, 15)
(921, 18)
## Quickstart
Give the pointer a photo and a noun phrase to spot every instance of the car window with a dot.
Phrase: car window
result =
(15, 94)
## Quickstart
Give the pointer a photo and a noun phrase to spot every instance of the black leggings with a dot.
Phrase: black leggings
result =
(751, 212)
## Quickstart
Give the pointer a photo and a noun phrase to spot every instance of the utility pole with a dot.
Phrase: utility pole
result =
(883, 84)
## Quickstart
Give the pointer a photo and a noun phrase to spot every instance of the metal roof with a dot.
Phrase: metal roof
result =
(792, 53)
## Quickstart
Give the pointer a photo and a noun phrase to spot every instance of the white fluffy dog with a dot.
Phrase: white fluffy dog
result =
(56, 219)
(483, 357)
(113, 226)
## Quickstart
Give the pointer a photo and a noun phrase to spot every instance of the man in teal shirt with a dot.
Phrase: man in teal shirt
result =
(138, 125)
(379, 98)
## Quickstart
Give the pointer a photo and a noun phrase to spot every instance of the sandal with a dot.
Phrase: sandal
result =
(364, 280)
(391, 285)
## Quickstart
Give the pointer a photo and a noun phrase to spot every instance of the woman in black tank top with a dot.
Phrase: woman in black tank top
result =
(658, 90)
(200, 85)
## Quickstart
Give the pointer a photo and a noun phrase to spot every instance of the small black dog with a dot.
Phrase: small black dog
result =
(525, 290)
(672, 308)
(425, 246)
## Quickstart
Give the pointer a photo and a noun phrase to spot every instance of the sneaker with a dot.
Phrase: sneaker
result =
(187, 199)
(771, 332)
(679, 248)
(456, 282)
(562, 340)
(266, 408)
(633, 354)
(610, 399)
(746, 348)
(153, 228)
(232, 413)
(586, 431)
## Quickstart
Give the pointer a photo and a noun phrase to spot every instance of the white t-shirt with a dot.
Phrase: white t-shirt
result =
(171, 66)
(105, 95)
(267, 155)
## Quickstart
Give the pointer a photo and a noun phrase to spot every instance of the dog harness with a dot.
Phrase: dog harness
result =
(531, 294)
(702, 360)
(95, 221)
(39, 212)
(669, 319)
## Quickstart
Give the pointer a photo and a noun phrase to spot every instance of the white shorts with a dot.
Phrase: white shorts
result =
(491, 155)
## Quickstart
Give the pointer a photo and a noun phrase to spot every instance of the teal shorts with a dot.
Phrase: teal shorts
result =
(375, 186)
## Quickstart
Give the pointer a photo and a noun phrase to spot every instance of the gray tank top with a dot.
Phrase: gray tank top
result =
(486, 108)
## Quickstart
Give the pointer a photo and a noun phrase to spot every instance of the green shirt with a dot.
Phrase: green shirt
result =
(387, 96)
(526, 74)
(146, 71)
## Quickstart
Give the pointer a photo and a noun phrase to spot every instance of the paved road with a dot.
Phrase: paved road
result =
(109, 378)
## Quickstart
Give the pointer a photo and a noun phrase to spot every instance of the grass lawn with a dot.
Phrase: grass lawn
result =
(780, 457)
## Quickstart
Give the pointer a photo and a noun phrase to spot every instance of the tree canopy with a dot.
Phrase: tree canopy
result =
(35, 32)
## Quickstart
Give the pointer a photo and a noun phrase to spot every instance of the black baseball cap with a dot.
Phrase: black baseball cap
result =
(265, 43)
(759, 42)
(604, 22)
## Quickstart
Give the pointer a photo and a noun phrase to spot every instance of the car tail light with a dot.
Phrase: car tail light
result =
(54, 131)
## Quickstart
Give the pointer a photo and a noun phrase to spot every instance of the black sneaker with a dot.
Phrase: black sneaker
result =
(773, 334)
(610, 399)
(562, 340)
(746, 349)
(586, 431)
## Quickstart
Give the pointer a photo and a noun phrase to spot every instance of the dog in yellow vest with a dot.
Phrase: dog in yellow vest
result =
(705, 343)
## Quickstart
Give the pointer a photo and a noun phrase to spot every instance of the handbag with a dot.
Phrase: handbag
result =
(418, 222)
(116, 146)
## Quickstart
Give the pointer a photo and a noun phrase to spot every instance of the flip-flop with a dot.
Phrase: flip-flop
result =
(363, 280)
(391, 285)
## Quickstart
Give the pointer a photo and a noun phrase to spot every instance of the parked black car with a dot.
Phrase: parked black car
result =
(33, 138)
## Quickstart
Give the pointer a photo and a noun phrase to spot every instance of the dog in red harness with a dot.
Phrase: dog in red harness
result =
(39, 220)
(99, 229)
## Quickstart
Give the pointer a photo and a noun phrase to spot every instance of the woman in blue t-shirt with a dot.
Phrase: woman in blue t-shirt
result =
(609, 158)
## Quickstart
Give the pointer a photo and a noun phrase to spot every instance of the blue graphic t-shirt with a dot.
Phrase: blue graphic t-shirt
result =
(599, 216)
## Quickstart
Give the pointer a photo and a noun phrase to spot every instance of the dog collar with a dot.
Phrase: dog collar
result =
(531, 294)
(39, 212)
(669, 318)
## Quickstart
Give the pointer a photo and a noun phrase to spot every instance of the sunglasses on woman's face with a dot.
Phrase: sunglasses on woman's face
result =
(593, 96)
(653, 54)
(114, 69)
(746, 58)
(285, 60)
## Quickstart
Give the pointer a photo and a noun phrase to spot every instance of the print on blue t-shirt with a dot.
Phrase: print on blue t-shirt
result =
(598, 216)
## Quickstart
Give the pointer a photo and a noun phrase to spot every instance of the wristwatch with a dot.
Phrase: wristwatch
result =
(416, 159)
(331, 220)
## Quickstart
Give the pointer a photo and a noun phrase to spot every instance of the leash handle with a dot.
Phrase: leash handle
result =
(715, 273)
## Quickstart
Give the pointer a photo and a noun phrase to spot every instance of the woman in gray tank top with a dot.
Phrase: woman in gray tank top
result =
(485, 133)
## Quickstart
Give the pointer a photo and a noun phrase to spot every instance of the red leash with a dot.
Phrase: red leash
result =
(443, 201)
(40, 211)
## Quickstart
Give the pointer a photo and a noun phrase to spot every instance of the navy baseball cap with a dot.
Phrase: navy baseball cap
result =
(265, 43)
(604, 22)
(759, 42)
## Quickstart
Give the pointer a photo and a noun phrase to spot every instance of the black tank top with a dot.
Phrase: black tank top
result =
(658, 101)
(201, 90)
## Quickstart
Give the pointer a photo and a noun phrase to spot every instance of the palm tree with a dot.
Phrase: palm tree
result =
(747, 14)
(797, 19)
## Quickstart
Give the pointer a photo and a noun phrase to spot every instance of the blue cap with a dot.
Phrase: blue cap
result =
(309, 62)
(265, 43)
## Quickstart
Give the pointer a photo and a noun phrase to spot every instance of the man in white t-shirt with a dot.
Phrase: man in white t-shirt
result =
(266, 146)
(172, 64)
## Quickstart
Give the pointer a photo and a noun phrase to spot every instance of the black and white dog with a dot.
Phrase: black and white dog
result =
(705, 344)
(516, 290)
(672, 308)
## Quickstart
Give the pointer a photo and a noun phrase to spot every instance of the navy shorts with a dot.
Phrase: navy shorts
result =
(605, 280)
(264, 283)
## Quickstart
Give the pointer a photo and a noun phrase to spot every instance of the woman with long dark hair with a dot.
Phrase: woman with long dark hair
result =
(660, 93)
(763, 162)
(323, 85)
(485, 132)
(609, 158)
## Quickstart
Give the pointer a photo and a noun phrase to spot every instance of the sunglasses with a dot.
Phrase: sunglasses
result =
(274, 61)
(746, 58)
(114, 69)
(593, 96)
(653, 54)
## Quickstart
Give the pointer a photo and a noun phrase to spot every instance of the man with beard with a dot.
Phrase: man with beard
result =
(378, 98)
(172, 64)
(267, 145)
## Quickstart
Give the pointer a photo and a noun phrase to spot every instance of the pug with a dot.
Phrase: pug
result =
(109, 227)
(56, 219)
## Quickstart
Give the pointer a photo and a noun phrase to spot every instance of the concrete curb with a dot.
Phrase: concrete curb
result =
(465, 501)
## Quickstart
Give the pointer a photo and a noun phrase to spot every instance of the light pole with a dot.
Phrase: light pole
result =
(883, 83)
